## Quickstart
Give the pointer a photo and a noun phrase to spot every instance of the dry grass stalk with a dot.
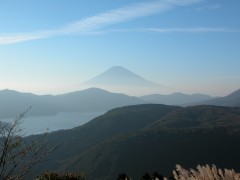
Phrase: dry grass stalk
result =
(205, 173)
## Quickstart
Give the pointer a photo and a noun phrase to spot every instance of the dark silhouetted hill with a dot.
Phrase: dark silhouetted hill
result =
(115, 122)
(148, 138)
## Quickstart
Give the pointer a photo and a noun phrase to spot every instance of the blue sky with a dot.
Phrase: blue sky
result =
(52, 46)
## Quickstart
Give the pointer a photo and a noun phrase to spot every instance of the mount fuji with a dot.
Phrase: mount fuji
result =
(122, 80)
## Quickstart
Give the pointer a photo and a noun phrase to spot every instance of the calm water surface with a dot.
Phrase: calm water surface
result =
(64, 120)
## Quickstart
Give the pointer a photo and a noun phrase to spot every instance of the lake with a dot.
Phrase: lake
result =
(63, 120)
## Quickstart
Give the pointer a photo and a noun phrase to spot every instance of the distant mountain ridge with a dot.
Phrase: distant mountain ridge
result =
(12, 103)
(93, 99)
(232, 99)
(235, 94)
(175, 98)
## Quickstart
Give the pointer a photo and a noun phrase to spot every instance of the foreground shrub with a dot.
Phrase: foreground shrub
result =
(123, 176)
(57, 176)
(201, 173)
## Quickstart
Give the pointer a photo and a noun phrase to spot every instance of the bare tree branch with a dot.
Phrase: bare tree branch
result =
(17, 156)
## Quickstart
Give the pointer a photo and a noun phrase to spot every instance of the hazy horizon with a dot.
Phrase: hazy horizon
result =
(131, 91)
(52, 47)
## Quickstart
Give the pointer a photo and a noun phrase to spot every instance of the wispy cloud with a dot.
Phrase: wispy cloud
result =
(128, 13)
(189, 30)
(100, 21)
(11, 38)
(209, 7)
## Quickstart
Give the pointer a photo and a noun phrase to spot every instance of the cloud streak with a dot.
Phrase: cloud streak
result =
(100, 21)
(11, 39)
(189, 30)
(209, 7)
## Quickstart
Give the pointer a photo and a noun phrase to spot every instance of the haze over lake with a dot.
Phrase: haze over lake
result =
(63, 120)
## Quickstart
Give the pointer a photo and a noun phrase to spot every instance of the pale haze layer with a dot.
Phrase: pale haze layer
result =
(52, 47)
